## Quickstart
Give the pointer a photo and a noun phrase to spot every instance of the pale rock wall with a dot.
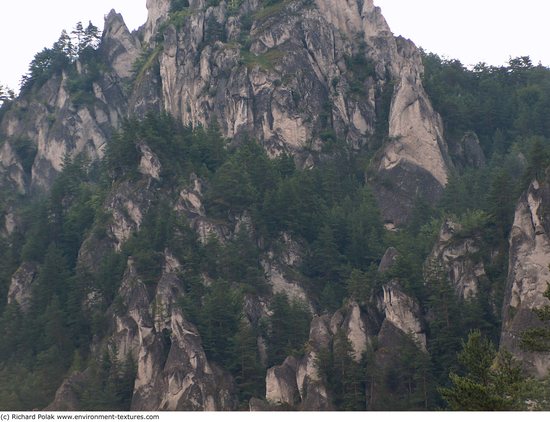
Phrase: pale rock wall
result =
(157, 14)
(528, 275)
(11, 168)
(173, 372)
(459, 258)
(120, 47)
(403, 312)
(297, 381)
(20, 290)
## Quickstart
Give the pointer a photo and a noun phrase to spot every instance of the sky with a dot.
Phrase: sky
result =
(472, 31)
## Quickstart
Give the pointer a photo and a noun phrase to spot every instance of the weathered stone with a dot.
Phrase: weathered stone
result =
(149, 164)
(403, 312)
(119, 46)
(67, 397)
(21, 285)
(281, 386)
(528, 275)
(467, 152)
(157, 14)
(459, 258)
(356, 330)
(11, 169)
(387, 261)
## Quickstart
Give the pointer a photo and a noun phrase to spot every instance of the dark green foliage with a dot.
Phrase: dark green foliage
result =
(343, 374)
(177, 5)
(497, 103)
(246, 367)
(26, 152)
(179, 150)
(110, 384)
(360, 285)
(288, 329)
(400, 378)
(538, 339)
(218, 320)
(492, 381)
(62, 55)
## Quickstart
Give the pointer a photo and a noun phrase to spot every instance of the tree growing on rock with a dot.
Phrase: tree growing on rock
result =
(538, 339)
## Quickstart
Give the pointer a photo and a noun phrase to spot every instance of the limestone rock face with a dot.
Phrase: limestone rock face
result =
(281, 386)
(190, 204)
(356, 330)
(173, 372)
(403, 312)
(204, 77)
(279, 266)
(388, 260)
(149, 164)
(528, 274)
(157, 14)
(297, 381)
(53, 122)
(66, 398)
(119, 46)
(467, 152)
(12, 172)
(20, 290)
(127, 204)
(458, 256)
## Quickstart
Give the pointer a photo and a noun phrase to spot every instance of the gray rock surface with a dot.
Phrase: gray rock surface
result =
(281, 386)
(297, 382)
(403, 312)
(67, 396)
(459, 258)
(387, 261)
(20, 290)
(467, 152)
(119, 47)
(528, 275)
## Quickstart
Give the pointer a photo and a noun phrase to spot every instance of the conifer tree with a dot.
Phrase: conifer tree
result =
(538, 339)
(491, 381)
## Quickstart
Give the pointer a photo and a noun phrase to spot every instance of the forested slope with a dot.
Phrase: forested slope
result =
(159, 254)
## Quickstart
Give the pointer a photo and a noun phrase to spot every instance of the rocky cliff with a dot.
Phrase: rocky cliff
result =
(459, 257)
(62, 119)
(299, 75)
(305, 78)
(528, 275)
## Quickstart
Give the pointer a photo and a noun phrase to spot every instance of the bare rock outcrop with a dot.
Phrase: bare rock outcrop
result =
(157, 14)
(204, 77)
(459, 258)
(467, 152)
(528, 275)
(281, 385)
(67, 395)
(12, 173)
(55, 120)
(119, 47)
(173, 372)
(297, 382)
(20, 290)
(403, 312)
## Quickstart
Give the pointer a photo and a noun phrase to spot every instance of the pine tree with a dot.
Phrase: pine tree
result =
(492, 381)
(343, 374)
(245, 365)
(538, 339)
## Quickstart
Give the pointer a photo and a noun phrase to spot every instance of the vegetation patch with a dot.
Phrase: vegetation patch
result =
(266, 61)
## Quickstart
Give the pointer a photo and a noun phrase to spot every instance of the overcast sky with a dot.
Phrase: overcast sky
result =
(473, 31)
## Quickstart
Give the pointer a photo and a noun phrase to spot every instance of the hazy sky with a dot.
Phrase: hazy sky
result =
(470, 30)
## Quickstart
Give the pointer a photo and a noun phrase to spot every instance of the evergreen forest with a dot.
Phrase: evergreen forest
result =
(329, 210)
